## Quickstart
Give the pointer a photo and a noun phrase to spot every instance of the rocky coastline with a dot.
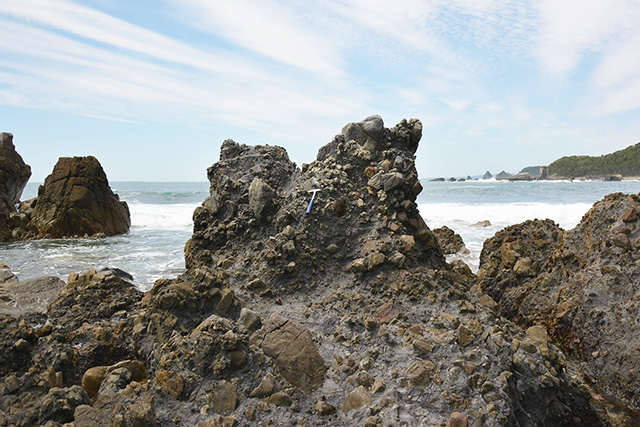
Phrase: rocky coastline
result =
(346, 315)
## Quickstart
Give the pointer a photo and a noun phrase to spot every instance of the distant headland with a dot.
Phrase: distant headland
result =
(615, 166)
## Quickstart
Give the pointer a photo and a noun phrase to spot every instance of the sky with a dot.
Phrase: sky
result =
(152, 88)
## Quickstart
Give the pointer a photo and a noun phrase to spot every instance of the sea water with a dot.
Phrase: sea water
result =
(161, 223)
(460, 205)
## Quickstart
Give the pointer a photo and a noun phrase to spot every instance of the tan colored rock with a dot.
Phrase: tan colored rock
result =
(172, 382)
(92, 379)
(323, 408)
(291, 346)
(358, 398)
(420, 373)
(539, 336)
(265, 388)
(225, 398)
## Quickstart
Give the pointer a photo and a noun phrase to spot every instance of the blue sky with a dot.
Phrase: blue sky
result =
(152, 88)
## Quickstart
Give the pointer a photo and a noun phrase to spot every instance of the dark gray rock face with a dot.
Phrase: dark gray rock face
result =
(14, 174)
(581, 284)
(487, 175)
(76, 200)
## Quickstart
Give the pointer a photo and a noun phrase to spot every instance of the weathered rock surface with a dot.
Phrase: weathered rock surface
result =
(347, 316)
(450, 242)
(580, 284)
(14, 174)
(76, 200)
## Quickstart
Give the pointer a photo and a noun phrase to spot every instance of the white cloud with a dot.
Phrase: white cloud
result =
(571, 29)
(272, 29)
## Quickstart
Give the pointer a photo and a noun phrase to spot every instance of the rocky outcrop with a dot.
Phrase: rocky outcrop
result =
(347, 315)
(487, 175)
(368, 187)
(580, 284)
(14, 174)
(503, 175)
(76, 201)
(450, 242)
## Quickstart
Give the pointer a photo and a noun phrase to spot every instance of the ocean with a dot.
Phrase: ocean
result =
(161, 223)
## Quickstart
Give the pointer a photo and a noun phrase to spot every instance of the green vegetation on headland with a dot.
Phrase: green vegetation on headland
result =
(625, 162)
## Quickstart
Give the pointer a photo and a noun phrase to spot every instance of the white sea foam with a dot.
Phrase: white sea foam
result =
(162, 216)
(461, 217)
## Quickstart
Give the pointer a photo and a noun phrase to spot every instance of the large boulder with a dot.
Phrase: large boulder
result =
(582, 284)
(76, 200)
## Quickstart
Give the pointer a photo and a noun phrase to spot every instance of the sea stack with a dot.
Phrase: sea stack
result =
(76, 201)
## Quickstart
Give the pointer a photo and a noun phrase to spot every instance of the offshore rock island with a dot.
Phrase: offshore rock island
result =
(347, 315)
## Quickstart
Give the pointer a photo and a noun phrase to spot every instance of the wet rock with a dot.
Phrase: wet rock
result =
(76, 200)
(30, 296)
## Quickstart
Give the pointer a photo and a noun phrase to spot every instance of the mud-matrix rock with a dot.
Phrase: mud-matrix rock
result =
(367, 184)
(76, 200)
(581, 284)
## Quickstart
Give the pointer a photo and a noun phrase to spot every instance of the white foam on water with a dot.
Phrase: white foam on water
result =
(162, 216)
(461, 217)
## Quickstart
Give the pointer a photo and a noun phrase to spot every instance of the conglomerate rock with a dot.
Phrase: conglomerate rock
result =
(581, 284)
(76, 200)
(348, 315)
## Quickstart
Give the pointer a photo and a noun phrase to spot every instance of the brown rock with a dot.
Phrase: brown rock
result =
(292, 347)
(323, 408)
(14, 174)
(358, 398)
(457, 420)
(172, 382)
(386, 313)
(76, 200)
(225, 397)
(420, 373)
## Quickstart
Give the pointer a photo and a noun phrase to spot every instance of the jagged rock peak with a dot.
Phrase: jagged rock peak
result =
(363, 219)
